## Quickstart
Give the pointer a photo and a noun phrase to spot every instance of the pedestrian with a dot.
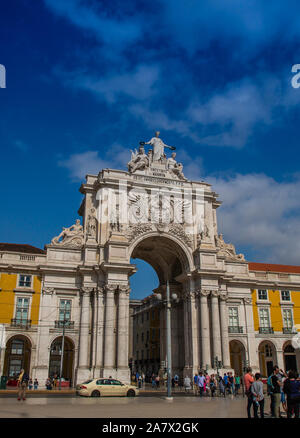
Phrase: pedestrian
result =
(270, 389)
(231, 383)
(248, 380)
(282, 376)
(176, 379)
(212, 385)
(207, 383)
(276, 390)
(153, 381)
(187, 384)
(257, 389)
(35, 384)
(291, 388)
(140, 381)
(157, 379)
(237, 384)
(195, 383)
(22, 384)
(222, 387)
(48, 384)
(201, 383)
(137, 377)
(30, 384)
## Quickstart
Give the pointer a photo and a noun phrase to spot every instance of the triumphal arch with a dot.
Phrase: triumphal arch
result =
(152, 212)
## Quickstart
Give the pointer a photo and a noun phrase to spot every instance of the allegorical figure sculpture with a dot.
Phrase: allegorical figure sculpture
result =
(139, 160)
(174, 167)
(158, 147)
(72, 235)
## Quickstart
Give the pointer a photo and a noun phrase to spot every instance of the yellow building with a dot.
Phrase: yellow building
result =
(20, 294)
(276, 316)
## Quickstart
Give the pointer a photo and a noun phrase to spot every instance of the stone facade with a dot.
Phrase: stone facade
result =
(154, 213)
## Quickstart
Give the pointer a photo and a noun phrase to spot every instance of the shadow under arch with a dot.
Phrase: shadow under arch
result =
(168, 255)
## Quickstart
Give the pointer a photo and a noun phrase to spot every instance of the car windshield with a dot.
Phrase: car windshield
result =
(88, 381)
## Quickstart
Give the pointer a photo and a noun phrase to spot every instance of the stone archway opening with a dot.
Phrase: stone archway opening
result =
(237, 356)
(170, 262)
(289, 355)
(267, 358)
(17, 356)
(55, 359)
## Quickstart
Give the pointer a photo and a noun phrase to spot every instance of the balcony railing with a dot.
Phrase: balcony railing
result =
(67, 324)
(235, 329)
(266, 330)
(289, 330)
(21, 323)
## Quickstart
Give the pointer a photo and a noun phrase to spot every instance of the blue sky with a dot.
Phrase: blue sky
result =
(87, 80)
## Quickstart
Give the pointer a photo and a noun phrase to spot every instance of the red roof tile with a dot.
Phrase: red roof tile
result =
(21, 247)
(253, 266)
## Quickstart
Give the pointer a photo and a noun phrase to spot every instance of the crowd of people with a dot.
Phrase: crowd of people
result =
(283, 389)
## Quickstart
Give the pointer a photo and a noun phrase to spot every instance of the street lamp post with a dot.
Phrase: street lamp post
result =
(62, 349)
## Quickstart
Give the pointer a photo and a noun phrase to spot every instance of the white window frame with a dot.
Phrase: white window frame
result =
(292, 316)
(285, 301)
(238, 316)
(262, 299)
(20, 295)
(65, 299)
(259, 317)
(25, 287)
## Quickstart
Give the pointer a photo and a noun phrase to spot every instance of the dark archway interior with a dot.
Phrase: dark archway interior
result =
(164, 255)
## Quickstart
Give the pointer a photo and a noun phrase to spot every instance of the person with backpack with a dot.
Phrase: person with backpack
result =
(276, 382)
(22, 384)
(291, 388)
(270, 389)
(248, 380)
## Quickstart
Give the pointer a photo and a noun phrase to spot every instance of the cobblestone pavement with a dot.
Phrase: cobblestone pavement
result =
(117, 407)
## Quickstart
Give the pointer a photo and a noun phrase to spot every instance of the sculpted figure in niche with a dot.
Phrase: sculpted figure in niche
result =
(92, 224)
(68, 234)
(139, 160)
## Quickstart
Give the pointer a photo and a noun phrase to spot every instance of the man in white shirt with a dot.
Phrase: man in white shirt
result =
(201, 382)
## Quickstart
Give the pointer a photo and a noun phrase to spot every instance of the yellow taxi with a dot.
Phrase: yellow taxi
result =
(106, 387)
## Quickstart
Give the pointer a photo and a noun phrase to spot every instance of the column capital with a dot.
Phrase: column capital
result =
(111, 287)
(215, 293)
(223, 296)
(204, 292)
(100, 291)
(86, 291)
(124, 289)
(247, 300)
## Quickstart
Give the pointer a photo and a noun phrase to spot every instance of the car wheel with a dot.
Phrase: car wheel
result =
(95, 394)
(131, 393)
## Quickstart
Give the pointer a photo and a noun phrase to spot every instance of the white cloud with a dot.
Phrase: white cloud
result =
(261, 214)
(89, 162)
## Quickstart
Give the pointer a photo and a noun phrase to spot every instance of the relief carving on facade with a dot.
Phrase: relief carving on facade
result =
(48, 291)
(71, 237)
(92, 224)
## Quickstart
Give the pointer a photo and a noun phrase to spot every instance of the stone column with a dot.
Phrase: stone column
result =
(224, 330)
(109, 335)
(186, 333)
(216, 336)
(84, 372)
(123, 327)
(100, 330)
(251, 354)
(205, 331)
(194, 333)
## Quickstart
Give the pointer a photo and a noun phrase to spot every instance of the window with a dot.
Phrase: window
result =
(143, 337)
(147, 339)
(262, 294)
(22, 307)
(285, 295)
(264, 319)
(268, 350)
(287, 318)
(25, 281)
(137, 338)
(153, 314)
(15, 366)
(65, 310)
(137, 355)
(147, 316)
(233, 317)
(142, 317)
(142, 354)
(17, 346)
(116, 382)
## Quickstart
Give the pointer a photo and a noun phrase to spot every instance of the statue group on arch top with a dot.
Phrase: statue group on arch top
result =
(142, 161)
